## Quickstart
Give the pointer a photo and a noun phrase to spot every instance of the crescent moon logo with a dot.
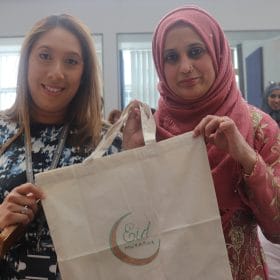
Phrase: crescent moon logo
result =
(123, 256)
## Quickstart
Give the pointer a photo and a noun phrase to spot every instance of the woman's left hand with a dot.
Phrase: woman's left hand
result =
(132, 131)
(224, 134)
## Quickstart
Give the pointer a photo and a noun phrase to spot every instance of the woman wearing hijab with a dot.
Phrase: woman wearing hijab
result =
(271, 101)
(198, 92)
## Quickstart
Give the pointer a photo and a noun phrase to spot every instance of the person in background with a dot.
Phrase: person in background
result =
(55, 121)
(114, 116)
(198, 93)
(271, 101)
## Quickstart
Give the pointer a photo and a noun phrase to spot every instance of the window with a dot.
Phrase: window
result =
(138, 78)
(9, 58)
(98, 42)
(237, 65)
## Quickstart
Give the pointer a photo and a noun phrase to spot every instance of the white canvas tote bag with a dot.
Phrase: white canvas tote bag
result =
(147, 213)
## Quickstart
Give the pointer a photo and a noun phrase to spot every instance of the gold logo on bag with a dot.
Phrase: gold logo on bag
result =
(137, 246)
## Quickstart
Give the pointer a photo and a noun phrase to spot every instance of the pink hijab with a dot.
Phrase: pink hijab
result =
(176, 115)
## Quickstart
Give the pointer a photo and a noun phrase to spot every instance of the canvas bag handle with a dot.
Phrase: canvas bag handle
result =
(148, 128)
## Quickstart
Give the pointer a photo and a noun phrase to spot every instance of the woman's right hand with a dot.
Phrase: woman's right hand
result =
(20, 205)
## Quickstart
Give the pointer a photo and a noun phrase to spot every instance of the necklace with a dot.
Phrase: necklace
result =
(57, 153)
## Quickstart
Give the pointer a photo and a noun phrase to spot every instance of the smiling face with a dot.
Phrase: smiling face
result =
(188, 67)
(55, 68)
(273, 100)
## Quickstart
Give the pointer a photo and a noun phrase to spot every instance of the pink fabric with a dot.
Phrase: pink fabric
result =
(176, 115)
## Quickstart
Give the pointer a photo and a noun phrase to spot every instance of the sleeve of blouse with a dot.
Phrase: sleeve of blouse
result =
(262, 188)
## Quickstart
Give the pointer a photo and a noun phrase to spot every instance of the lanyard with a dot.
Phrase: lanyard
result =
(57, 153)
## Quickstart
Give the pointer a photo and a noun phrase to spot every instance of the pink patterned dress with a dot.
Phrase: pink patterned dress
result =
(260, 194)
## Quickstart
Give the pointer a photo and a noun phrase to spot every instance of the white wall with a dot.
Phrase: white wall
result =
(271, 57)
(110, 17)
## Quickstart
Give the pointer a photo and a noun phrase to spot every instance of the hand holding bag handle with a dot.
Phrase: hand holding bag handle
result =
(12, 233)
(148, 128)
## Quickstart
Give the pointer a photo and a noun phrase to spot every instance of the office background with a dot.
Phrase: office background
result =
(118, 24)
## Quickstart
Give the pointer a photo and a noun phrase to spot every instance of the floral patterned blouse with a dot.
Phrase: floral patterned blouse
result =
(33, 257)
(260, 193)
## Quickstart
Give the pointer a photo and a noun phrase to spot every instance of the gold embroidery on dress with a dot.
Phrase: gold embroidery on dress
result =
(256, 117)
(237, 237)
(275, 149)
(242, 243)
